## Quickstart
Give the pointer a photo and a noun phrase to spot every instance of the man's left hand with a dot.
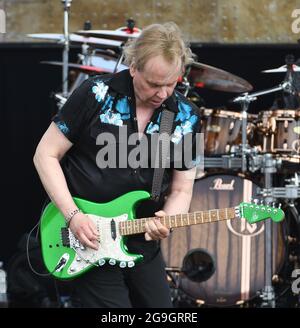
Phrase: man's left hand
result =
(155, 230)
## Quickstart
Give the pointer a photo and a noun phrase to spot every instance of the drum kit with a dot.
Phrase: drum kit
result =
(245, 156)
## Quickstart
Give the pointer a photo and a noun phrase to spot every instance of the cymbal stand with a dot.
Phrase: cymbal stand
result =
(85, 58)
(185, 81)
(67, 5)
(119, 60)
(245, 100)
(294, 193)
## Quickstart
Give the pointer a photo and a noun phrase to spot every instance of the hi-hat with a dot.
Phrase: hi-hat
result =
(282, 69)
(205, 76)
(76, 38)
(120, 35)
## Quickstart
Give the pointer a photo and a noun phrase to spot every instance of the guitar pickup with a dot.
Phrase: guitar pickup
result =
(113, 229)
(65, 237)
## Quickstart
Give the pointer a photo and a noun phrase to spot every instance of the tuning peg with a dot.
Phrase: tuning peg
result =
(273, 204)
(262, 202)
(279, 205)
(256, 201)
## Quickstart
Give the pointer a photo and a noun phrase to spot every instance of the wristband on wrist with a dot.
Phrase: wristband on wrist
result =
(71, 215)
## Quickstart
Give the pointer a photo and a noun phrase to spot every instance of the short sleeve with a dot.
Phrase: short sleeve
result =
(188, 154)
(187, 142)
(73, 115)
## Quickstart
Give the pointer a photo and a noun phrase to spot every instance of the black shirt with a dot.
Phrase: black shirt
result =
(106, 104)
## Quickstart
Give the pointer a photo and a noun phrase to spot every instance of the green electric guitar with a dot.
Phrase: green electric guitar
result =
(65, 257)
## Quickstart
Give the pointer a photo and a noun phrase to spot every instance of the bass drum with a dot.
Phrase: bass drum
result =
(229, 254)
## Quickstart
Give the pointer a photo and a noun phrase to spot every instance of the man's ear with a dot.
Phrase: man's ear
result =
(132, 69)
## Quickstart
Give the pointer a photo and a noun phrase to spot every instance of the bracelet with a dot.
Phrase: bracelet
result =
(71, 215)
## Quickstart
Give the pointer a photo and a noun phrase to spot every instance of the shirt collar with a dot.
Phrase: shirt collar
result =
(122, 83)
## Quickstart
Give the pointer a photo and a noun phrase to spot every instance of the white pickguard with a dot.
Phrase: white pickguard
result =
(109, 249)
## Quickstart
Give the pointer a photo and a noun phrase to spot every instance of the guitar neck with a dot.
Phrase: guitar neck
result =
(132, 227)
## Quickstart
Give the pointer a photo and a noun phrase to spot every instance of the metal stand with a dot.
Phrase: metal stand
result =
(67, 5)
(268, 294)
(268, 168)
(289, 192)
(245, 101)
(119, 61)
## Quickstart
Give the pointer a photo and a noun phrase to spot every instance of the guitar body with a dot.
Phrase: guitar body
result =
(67, 262)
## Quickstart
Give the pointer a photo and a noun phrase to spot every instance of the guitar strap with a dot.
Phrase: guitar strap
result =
(162, 152)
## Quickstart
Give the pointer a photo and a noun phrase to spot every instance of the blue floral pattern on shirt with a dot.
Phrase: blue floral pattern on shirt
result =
(62, 127)
(122, 106)
(100, 90)
(186, 119)
(111, 114)
(117, 113)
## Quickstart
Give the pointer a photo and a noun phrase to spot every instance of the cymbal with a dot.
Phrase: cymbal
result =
(78, 67)
(120, 35)
(88, 69)
(76, 38)
(282, 69)
(205, 76)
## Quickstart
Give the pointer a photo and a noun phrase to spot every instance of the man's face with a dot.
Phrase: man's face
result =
(155, 82)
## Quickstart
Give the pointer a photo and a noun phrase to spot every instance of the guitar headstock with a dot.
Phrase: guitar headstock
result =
(253, 212)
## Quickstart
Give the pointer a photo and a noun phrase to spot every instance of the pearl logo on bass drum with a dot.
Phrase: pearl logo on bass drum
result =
(218, 184)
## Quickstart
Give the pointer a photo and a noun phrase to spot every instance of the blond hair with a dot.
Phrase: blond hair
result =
(158, 39)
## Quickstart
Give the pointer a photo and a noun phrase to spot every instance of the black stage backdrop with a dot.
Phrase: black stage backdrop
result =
(26, 108)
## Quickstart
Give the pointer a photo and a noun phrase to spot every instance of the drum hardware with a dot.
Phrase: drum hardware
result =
(268, 292)
(229, 162)
(287, 192)
(173, 277)
(276, 279)
(244, 100)
(67, 5)
(282, 69)
(256, 162)
(131, 29)
(292, 240)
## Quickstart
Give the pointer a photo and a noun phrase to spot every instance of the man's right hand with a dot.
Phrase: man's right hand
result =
(85, 230)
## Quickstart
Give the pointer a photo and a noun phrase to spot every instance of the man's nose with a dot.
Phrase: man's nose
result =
(162, 93)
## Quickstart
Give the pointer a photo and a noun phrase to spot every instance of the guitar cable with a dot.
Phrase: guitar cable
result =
(57, 294)
(28, 256)
(36, 238)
